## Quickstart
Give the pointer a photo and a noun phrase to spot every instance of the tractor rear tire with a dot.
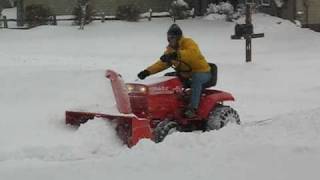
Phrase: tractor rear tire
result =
(221, 116)
(163, 129)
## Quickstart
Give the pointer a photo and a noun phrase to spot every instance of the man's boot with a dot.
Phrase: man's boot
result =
(190, 113)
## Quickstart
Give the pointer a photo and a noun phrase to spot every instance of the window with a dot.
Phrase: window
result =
(265, 2)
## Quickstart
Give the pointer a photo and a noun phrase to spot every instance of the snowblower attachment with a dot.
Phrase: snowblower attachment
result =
(129, 127)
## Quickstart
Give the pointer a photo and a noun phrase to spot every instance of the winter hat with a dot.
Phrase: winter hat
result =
(174, 30)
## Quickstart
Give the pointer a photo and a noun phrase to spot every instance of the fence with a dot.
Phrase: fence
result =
(53, 20)
(4, 22)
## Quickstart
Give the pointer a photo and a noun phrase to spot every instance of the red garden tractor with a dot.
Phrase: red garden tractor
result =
(153, 108)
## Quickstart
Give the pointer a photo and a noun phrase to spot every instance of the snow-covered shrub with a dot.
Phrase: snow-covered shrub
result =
(279, 3)
(212, 9)
(37, 14)
(224, 8)
(221, 8)
(78, 13)
(179, 9)
(298, 23)
(129, 12)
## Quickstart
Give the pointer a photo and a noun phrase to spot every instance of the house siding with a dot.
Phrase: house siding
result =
(286, 12)
(310, 16)
(314, 12)
(296, 10)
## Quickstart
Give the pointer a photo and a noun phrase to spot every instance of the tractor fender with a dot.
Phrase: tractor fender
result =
(208, 102)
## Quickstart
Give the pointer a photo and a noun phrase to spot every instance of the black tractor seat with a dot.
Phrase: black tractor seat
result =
(214, 76)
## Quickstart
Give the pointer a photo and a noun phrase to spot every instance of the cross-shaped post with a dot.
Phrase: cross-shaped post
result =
(246, 31)
(248, 38)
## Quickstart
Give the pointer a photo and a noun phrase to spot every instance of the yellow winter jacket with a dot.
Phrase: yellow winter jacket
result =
(189, 53)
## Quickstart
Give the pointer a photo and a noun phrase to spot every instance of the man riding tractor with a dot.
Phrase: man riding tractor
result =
(184, 55)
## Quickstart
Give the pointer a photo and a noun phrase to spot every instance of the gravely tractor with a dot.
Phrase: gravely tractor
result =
(153, 108)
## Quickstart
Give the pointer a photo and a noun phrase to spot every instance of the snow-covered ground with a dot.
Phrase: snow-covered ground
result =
(49, 69)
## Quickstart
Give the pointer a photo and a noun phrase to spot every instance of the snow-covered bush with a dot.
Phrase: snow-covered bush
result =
(129, 12)
(298, 23)
(279, 3)
(212, 9)
(221, 8)
(224, 8)
(78, 12)
(179, 9)
(37, 14)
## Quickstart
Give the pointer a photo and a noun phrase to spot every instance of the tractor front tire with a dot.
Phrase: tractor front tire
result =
(221, 116)
(163, 129)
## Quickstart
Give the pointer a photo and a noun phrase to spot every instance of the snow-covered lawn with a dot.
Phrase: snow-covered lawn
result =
(49, 69)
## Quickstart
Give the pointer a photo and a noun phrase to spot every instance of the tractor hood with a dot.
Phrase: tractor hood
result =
(160, 85)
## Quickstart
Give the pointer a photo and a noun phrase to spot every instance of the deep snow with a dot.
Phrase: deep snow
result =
(47, 70)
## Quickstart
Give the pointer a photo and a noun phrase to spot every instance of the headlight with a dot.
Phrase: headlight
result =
(142, 89)
(134, 88)
(130, 88)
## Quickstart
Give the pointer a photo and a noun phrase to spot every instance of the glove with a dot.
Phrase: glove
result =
(169, 57)
(143, 74)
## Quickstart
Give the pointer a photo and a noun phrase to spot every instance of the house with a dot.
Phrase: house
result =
(307, 12)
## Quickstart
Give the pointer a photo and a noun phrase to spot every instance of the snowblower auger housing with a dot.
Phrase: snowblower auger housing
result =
(129, 127)
(147, 105)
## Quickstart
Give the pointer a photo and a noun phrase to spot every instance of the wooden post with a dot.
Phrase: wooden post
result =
(174, 10)
(1, 19)
(174, 19)
(248, 38)
(5, 22)
(54, 18)
(150, 14)
(193, 13)
(306, 7)
(103, 16)
(83, 15)
(20, 13)
(248, 50)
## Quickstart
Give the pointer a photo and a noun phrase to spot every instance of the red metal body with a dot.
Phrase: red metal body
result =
(146, 103)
